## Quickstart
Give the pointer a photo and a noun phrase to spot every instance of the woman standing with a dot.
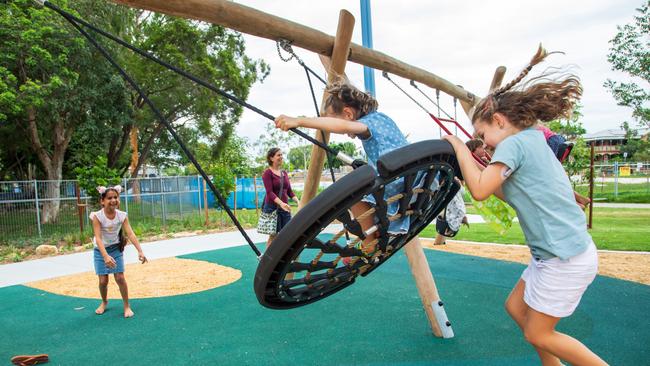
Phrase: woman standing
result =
(278, 190)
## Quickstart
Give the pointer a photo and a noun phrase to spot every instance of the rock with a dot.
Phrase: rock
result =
(46, 249)
(79, 248)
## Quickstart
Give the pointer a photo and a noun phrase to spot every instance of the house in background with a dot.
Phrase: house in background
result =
(607, 143)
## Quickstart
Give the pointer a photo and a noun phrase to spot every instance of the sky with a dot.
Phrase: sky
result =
(462, 42)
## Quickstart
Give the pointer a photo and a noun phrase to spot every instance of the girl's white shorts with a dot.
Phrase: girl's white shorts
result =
(555, 287)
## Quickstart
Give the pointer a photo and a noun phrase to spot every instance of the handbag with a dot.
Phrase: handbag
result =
(267, 223)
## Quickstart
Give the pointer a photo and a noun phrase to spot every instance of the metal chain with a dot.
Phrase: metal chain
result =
(286, 46)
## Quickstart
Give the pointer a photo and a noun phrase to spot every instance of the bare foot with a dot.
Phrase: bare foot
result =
(101, 309)
(128, 313)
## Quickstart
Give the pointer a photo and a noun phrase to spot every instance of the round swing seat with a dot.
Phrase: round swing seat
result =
(305, 264)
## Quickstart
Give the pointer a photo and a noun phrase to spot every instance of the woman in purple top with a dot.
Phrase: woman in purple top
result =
(275, 180)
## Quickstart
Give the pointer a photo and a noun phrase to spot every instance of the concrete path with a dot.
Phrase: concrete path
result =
(622, 205)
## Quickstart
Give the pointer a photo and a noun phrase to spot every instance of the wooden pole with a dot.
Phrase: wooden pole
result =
(251, 21)
(497, 79)
(205, 205)
(80, 207)
(234, 199)
(591, 187)
(337, 67)
(423, 281)
(257, 207)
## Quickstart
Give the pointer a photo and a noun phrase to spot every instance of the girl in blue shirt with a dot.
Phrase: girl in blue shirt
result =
(347, 110)
(525, 173)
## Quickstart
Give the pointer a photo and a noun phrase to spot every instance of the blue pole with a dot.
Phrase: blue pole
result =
(366, 35)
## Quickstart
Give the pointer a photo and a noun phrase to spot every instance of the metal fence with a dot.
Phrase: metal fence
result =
(33, 208)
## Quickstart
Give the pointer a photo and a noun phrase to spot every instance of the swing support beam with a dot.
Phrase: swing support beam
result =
(257, 23)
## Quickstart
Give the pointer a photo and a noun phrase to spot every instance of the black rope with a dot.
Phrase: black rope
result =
(385, 74)
(161, 119)
(431, 100)
(322, 134)
(195, 79)
(286, 46)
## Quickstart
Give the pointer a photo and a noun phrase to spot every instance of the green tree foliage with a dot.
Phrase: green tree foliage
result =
(59, 98)
(211, 52)
(299, 157)
(54, 85)
(231, 162)
(630, 53)
(569, 128)
(347, 147)
(637, 148)
(98, 174)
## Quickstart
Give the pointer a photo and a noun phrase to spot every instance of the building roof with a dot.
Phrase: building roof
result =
(613, 134)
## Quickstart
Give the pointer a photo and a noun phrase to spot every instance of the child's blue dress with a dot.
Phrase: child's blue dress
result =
(385, 137)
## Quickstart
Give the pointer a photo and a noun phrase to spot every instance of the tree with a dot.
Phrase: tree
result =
(56, 85)
(231, 162)
(210, 52)
(98, 174)
(636, 147)
(299, 157)
(59, 94)
(630, 53)
(570, 128)
(347, 147)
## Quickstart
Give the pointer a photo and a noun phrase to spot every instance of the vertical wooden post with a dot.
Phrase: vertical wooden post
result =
(339, 58)
(80, 207)
(257, 205)
(591, 187)
(234, 199)
(205, 203)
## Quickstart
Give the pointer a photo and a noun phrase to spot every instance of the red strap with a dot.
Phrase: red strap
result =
(444, 128)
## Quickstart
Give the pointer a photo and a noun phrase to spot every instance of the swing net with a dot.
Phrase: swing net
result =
(303, 265)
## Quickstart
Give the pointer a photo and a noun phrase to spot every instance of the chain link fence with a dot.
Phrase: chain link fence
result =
(33, 209)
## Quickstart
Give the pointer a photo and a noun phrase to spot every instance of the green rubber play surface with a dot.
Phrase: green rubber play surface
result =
(377, 321)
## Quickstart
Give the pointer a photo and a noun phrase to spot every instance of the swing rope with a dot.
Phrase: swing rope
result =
(286, 46)
(76, 22)
(435, 118)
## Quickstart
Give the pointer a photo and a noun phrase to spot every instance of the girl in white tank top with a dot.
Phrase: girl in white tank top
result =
(109, 224)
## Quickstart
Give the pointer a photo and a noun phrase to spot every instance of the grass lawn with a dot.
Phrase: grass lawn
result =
(614, 229)
(627, 192)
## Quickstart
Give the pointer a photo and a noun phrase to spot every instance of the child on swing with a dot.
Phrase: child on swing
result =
(109, 223)
(525, 173)
(347, 110)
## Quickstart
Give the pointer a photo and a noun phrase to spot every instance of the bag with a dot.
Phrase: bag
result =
(449, 221)
(267, 223)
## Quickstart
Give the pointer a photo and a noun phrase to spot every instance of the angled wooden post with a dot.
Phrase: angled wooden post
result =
(497, 79)
(339, 59)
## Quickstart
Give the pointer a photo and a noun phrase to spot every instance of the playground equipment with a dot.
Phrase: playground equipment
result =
(428, 163)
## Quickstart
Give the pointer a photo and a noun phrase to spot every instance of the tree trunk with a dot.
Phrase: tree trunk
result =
(52, 163)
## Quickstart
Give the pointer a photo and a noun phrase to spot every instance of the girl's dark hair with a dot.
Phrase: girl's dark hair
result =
(103, 195)
(474, 144)
(122, 240)
(343, 94)
(540, 99)
(270, 154)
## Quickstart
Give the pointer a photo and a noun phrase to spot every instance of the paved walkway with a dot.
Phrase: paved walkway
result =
(622, 205)
(62, 265)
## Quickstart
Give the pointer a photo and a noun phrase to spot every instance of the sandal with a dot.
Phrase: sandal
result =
(25, 360)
